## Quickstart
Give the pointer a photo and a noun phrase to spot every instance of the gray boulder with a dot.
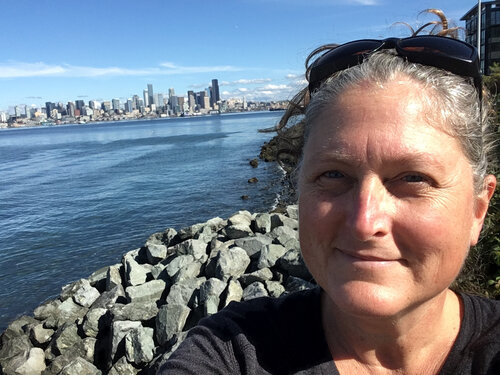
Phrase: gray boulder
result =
(135, 274)
(119, 329)
(210, 292)
(155, 252)
(231, 263)
(254, 290)
(93, 321)
(139, 345)
(261, 275)
(253, 245)
(234, 292)
(269, 255)
(181, 293)
(138, 311)
(123, 367)
(147, 292)
(170, 321)
(113, 277)
(80, 366)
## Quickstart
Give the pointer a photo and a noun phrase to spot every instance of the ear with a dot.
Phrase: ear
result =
(481, 206)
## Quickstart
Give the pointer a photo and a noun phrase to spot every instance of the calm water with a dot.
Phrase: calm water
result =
(75, 198)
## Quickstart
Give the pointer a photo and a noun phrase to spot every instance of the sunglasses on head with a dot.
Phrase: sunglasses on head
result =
(449, 54)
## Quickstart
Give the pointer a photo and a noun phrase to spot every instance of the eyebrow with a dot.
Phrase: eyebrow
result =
(409, 159)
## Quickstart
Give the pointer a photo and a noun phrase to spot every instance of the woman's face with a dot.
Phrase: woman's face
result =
(387, 204)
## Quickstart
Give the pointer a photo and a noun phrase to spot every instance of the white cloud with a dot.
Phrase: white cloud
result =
(245, 82)
(39, 69)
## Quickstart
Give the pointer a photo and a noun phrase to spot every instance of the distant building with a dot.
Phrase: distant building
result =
(70, 109)
(49, 106)
(129, 105)
(191, 100)
(150, 94)
(490, 32)
(106, 106)
(146, 97)
(116, 104)
(3, 117)
(79, 104)
(93, 104)
(214, 93)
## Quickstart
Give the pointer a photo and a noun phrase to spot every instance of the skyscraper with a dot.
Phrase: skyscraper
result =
(150, 94)
(146, 97)
(215, 96)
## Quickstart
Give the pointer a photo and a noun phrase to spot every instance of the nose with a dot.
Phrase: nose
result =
(370, 215)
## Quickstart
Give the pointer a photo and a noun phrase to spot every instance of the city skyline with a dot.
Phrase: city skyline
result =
(62, 51)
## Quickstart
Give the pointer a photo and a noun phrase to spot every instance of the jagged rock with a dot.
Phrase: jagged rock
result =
(168, 236)
(67, 311)
(196, 248)
(283, 233)
(66, 340)
(234, 292)
(33, 365)
(98, 278)
(263, 223)
(293, 263)
(150, 291)
(58, 363)
(294, 284)
(210, 292)
(14, 353)
(189, 271)
(155, 252)
(241, 217)
(269, 255)
(122, 367)
(177, 263)
(119, 330)
(293, 211)
(139, 345)
(19, 327)
(253, 180)
(205, 234)
(181, 293)
(69, 290)
(135, 274)
(139, 311)
(80, 366)
(254, 244)
(231, 263)
(254, 163)
(238, 231)
(274, 288)
(40, 335)
(109, 298)
(86, 295)
(254, 290)
(170, 320)
(261, 275)
(279, 220)
(189, 232)
(89, 345)
(113, 277)
(47, 310)
(92, 321)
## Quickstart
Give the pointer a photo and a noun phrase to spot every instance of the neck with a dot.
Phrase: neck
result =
(414, 342)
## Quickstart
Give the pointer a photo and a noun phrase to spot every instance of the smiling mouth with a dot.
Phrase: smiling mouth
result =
(367, 257)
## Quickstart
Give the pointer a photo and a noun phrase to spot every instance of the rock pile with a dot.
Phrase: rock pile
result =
(127, 318)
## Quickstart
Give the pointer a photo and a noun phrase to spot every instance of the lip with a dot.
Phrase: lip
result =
(368, 258)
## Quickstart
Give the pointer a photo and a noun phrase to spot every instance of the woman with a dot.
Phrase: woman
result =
(393, 191)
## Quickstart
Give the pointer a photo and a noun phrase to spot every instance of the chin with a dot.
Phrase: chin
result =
(364, 299)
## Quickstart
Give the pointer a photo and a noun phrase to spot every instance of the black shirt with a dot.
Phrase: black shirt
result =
(285, 336)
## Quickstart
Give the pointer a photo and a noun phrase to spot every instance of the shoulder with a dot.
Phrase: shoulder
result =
(477, 347)
(263, 335)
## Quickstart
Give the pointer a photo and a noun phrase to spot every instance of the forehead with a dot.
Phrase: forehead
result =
(400, 111)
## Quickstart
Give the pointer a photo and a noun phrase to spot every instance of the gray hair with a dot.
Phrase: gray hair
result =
(455, 97)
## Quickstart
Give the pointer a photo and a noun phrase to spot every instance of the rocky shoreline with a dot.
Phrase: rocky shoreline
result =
(128, 318)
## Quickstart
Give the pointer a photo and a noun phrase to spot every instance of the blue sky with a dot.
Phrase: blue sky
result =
(61, 50)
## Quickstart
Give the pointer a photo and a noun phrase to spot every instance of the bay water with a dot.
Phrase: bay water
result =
(74, 198)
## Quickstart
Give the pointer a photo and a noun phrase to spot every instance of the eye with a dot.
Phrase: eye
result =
(414, 178)
(333, 174)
